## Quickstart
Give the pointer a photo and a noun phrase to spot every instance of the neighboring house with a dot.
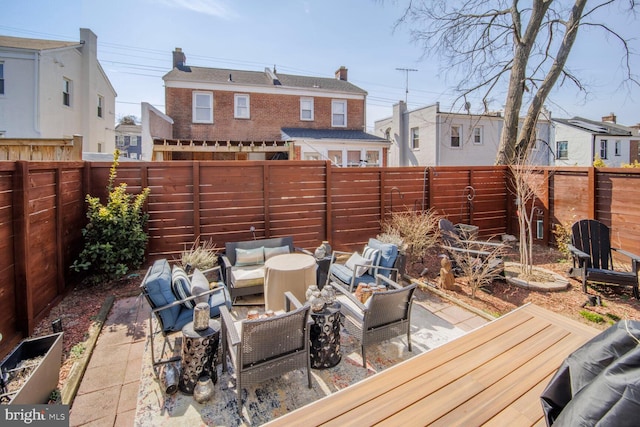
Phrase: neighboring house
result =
(429, 137)
(578, 142)
(227, 114)
(56, 89)
(129, 140)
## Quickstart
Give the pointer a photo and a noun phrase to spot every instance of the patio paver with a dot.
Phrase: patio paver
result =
(107, 393)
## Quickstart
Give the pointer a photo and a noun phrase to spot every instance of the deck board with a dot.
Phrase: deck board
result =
(491, 375)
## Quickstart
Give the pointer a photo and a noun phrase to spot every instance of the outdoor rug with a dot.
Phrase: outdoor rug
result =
(274, 398)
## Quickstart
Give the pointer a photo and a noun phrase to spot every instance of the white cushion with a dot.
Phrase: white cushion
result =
(199, 284)
(249, 256)
(271, 252)
(374, 256)
(363, 264)
(245, 276)
(181, 286)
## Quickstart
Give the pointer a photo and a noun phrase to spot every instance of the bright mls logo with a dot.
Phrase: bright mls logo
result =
(49, 415)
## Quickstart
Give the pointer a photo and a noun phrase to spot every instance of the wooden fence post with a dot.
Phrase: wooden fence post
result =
(23, 299)
(591, 178)
(59, 238)
(266, 179)
(195, 179)
(328, 211)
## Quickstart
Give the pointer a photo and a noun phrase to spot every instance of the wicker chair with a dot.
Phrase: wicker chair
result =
(383, 316)
(261, 349)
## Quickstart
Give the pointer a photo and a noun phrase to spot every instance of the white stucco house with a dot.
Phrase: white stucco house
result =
(578, 141)
(56, 89)
(427, 136)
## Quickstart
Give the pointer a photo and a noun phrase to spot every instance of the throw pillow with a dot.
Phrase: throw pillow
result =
(358, 264)
(199, 284)
(181, 286)
(271, 252)
(249, 256)
(374, 256)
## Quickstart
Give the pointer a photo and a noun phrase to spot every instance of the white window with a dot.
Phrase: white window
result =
(373, 158)
(312, 156)
(456, 136)
(415, 138)
(306, 109)
(1, 78)
(66, 92)
(353, 158)
(241, 106)
(477, 135)
(339, 113)
(603, 149)
(100, 105)
(618, 148)
(335, 156)
(135, 140)
(562, 150)
(202, 107)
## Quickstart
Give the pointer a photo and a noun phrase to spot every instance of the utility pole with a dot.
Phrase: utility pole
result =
(406, 71)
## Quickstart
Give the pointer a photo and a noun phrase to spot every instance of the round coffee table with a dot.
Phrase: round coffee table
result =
(199, 354)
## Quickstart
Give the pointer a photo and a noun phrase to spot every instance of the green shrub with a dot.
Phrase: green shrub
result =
(115, 236)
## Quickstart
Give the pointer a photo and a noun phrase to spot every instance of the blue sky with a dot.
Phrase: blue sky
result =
(136, 38)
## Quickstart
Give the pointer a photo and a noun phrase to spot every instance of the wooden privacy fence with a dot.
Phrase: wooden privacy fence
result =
(42, 211)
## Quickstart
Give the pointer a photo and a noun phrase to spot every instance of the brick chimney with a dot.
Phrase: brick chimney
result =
(341, 73)
(611, 118)
(179, 58)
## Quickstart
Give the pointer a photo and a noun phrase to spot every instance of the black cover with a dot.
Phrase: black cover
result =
(598, 384)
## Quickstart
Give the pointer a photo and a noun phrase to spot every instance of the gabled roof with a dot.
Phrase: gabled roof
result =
(352, 135)
(595, 127)
(259, 78)
(34, 44)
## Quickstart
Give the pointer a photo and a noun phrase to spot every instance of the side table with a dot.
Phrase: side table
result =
(199, 355)
(325, 337)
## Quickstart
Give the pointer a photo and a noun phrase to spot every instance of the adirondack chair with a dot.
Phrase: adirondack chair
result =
(592, 261)
(459, 247)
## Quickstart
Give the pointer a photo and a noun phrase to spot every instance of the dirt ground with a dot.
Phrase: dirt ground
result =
(80, 307)
(617, 303)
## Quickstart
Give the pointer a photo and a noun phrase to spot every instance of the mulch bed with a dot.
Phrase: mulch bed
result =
(617, 303)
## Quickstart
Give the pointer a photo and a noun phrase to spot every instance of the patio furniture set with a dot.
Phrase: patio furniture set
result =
(289, 335)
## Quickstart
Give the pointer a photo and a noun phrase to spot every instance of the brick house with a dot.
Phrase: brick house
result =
(224, 114)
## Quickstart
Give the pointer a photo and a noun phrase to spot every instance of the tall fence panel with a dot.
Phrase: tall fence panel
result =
(42, 211)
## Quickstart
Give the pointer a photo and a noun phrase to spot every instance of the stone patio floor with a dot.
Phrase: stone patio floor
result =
(108, 392)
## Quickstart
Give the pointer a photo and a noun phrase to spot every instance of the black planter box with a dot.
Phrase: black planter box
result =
(44, 378)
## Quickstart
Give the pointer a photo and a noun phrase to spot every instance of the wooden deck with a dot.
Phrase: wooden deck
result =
(493, 375)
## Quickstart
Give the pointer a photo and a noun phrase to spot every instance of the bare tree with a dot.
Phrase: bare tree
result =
(526, 43)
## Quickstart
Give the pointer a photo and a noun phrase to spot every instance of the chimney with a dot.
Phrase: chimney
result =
(179, 58)
(341, 73)
(611, 118)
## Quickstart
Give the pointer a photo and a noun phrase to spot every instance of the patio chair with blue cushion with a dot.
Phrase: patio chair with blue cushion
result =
(172, 296)
(376, 258)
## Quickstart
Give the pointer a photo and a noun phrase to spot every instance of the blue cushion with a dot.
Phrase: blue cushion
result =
(185, 317)
(345, 275)
(218, 299)
(158, 288)
(388, 254)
